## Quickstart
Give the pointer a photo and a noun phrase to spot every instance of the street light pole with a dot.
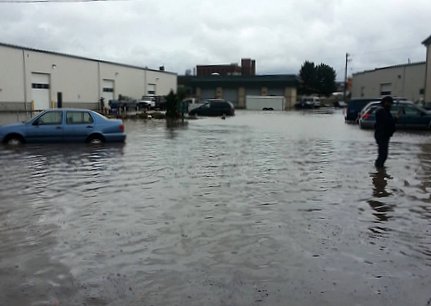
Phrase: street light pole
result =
(345, 78)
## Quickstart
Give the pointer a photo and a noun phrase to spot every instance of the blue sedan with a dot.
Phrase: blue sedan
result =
(64, 125)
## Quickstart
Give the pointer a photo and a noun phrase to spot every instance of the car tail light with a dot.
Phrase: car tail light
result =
(366, 116)
(121, 128)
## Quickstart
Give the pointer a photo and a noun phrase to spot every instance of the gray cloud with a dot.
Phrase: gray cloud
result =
(279, 34)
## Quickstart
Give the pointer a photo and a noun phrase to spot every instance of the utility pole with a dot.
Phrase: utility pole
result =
(345, 78)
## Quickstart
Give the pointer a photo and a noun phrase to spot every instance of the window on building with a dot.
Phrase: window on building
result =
(40, 86)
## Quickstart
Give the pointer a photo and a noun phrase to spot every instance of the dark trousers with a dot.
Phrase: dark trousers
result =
(383, 147)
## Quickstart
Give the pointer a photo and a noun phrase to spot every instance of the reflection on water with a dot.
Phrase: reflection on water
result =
(258, 209)
(381, 209)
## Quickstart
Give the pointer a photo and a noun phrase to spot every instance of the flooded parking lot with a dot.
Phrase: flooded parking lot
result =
(258, 209)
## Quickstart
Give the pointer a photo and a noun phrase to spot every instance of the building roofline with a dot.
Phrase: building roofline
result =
(390, 67)
(220, 65)
(427, 41)
(82, 58)
(235, 80)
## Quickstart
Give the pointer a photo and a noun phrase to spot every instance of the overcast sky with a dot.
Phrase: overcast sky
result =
(180, 34)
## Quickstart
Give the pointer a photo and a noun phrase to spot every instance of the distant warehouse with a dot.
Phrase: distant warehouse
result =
(236, 88)
(405, 80)
(36, 79)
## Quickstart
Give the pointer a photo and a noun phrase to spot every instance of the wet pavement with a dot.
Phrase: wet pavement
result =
(258, 209)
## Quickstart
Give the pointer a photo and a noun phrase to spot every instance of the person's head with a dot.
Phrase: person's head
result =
(387, 102)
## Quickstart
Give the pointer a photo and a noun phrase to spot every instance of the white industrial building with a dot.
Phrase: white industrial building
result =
(33, 79)
(412, 80)
(427, 44)
(406, 81)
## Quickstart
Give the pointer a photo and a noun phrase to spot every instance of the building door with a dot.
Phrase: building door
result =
(108, 91)
(231, 95)
(40, 90)
(151, 89)
(385, 89)
(208, 94)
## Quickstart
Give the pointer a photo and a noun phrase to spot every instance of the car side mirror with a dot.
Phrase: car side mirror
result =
(36, 122)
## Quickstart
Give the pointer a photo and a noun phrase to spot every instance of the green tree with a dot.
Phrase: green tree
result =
(173, 104)
(326, 79)
(308, 78)
(317, 79)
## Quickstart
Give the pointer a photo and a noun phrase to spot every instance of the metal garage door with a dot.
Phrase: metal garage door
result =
(252, 92)
(275, 92)
(231, 94)
(40, 90)
(208, 94)
(108, 91)
(151, 89)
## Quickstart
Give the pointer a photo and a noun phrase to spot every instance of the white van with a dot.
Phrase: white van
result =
(310, 101)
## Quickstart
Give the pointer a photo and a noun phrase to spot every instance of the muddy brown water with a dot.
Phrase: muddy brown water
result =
(258, 209)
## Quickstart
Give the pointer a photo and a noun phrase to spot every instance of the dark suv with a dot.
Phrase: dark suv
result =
(214, 107)
(355, 106)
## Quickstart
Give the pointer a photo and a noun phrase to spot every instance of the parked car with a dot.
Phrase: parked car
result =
(407, 114)
(192, 103)
(214, 107)
(354, 106)
(340, 104)
(308, 102)
(374, 104)
(64, 125)
(366, 108)
(146, 104)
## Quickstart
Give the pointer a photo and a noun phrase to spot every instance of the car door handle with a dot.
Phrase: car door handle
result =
(89, 126)
(58, 127)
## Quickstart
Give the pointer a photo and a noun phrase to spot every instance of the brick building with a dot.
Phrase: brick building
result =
(247, 68)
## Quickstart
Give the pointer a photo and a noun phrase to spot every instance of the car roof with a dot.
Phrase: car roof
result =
(70, 109)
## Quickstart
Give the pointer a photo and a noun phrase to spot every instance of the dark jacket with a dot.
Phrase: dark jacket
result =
(385, 124)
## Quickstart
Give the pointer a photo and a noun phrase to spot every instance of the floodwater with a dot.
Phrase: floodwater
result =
(258, 209)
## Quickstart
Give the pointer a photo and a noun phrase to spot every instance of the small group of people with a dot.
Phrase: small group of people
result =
(384, 129)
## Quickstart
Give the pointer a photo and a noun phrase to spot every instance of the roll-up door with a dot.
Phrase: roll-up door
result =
(40, 90)
(231, 94)
(208, 94)
(108, 91)
(151, 89)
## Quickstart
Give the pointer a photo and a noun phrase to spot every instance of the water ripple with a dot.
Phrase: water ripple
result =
(250, 209)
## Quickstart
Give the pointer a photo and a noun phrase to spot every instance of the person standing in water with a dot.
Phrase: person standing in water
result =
(384, 129)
